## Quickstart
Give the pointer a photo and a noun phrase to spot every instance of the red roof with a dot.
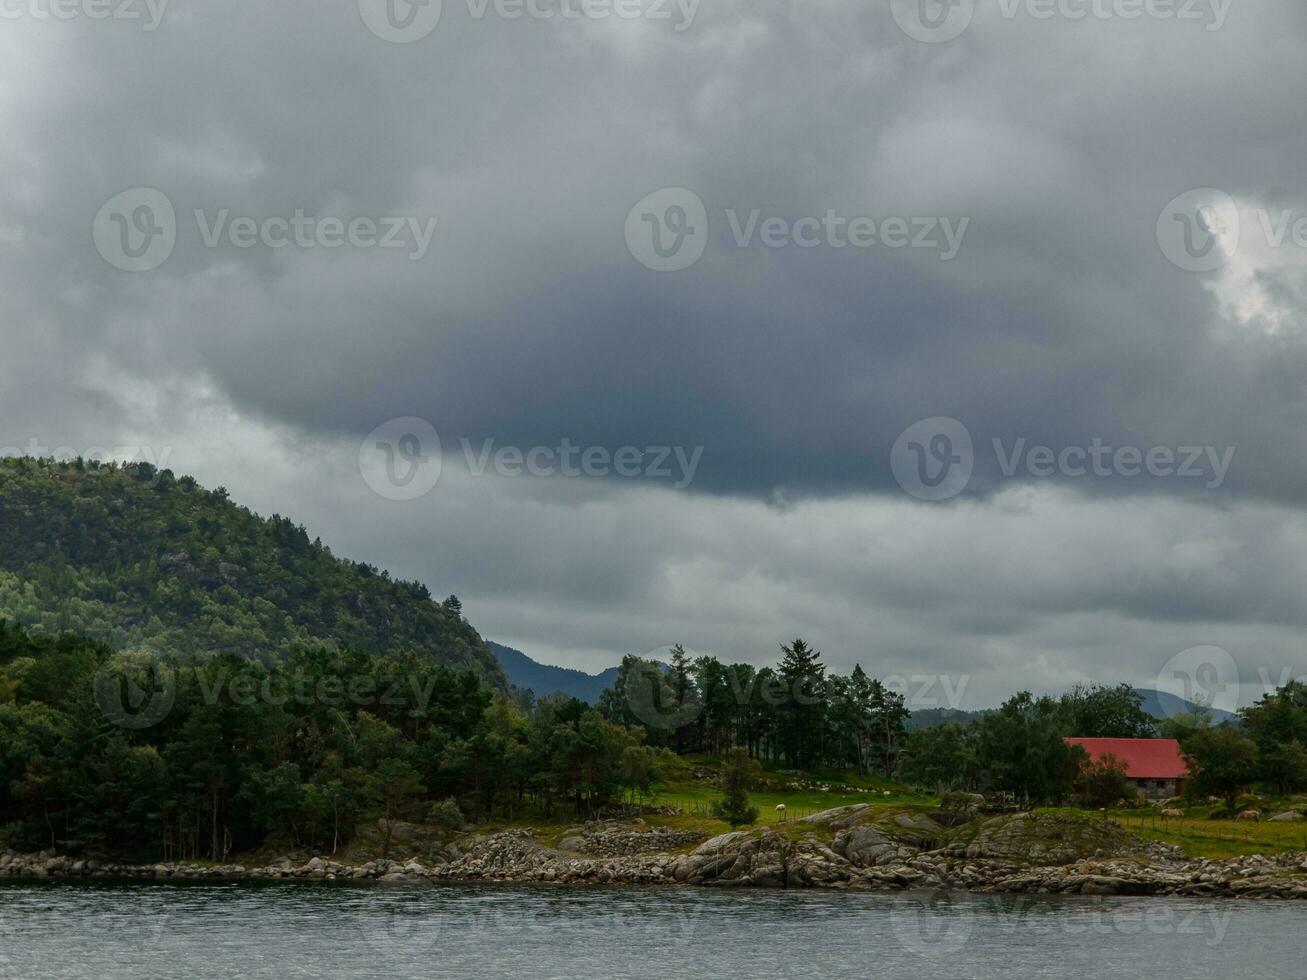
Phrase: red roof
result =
(1144, 758)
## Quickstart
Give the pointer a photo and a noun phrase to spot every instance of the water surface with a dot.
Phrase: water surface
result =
(107, 931)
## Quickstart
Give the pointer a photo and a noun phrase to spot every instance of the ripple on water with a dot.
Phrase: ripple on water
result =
(108, 931)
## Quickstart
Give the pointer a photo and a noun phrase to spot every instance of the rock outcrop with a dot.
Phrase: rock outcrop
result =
(848, 847)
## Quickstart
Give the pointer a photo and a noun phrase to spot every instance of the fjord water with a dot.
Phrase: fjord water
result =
(108, 931)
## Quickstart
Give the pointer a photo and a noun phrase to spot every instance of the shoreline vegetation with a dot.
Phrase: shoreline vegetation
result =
(244, 695)
(871, 847)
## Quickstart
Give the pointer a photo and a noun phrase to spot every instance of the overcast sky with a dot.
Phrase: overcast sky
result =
(834, 271)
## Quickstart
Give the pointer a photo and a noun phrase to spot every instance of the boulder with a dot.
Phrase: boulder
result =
(869, 846)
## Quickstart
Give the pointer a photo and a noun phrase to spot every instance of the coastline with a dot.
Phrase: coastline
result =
(844, 848)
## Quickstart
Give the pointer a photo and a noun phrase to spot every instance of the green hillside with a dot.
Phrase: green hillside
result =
(139, 559)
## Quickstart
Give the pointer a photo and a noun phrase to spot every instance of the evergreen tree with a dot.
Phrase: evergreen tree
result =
(804, 708)
(738, 775)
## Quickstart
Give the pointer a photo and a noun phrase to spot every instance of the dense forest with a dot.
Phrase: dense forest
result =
(113, 754)
(796, 715)
(140, 559)
(181, 678)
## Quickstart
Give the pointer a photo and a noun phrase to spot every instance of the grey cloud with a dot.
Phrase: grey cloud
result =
(1059, 321)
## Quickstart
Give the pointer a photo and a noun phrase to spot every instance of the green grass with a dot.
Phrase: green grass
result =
(1216, 838)
(695, 798)
(1195, 836)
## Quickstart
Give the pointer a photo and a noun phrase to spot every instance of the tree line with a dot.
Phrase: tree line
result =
(793, 713)
(796, 714)
(103, 753)
(108, 753)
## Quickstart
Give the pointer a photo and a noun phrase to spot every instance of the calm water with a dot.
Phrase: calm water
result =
(107, 931)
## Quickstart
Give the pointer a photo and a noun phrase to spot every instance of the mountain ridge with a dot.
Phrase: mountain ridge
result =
(525, 673)
(139, 558)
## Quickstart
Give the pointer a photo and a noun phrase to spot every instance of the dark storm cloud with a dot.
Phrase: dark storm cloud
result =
(1059, 322)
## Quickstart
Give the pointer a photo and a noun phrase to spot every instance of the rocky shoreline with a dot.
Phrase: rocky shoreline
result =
(847, 848)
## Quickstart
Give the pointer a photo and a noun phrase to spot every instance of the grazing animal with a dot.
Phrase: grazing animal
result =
(1172, 815)
(1253, 815)
(780, 808)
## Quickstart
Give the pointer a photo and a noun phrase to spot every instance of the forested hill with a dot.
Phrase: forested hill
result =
(137, 558)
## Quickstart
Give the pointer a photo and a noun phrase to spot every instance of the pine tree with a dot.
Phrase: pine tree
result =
(681, 688)
(738, 775)
(804, 709)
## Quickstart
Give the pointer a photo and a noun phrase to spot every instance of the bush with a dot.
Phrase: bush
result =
(446, 815)
(737, 778)
(961, 802)
(1104, 783)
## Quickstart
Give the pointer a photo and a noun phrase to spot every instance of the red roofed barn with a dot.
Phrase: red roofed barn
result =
(1154, 765)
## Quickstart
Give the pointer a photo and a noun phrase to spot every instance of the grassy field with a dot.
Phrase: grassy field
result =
(821, 790)
(815, 791)
(693, 790)
(1216, 838)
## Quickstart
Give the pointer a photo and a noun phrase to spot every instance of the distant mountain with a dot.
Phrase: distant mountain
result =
(1156, 704)
(526, 674)
(930, 717)
(138, 558)
(1159, 704)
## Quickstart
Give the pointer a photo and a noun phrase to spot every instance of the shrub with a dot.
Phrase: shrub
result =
(738, 775)
(446, 815)
(1104, 782)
